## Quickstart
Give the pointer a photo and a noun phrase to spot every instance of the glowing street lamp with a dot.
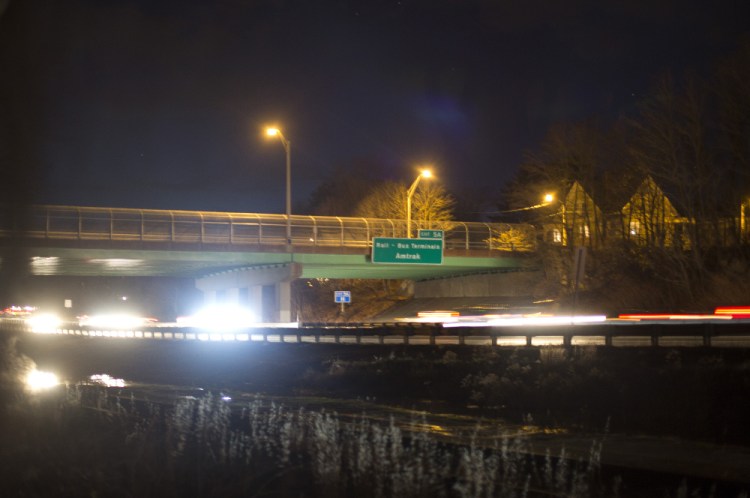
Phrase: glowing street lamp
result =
(426, 173)
(275, 132)
(546, 201)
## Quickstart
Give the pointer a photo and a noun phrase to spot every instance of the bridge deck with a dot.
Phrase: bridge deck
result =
(69, 240)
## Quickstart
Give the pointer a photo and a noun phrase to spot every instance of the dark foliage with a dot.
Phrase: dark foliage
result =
(687, 392)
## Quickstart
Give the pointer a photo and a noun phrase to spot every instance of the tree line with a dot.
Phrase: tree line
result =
(691, 135)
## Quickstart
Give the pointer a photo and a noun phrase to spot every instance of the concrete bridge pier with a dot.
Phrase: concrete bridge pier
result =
(265, 289)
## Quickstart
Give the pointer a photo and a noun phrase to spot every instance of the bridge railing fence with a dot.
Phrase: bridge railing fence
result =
(248, 229)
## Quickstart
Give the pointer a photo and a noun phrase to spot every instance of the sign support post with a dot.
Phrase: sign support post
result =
(342, 297)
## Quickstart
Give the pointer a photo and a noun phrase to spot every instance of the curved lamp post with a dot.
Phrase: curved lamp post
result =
(426, 173)
(275, 132)
(549, 198)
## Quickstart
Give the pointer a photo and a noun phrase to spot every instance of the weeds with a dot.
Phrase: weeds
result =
(114, 446)
(87, 441)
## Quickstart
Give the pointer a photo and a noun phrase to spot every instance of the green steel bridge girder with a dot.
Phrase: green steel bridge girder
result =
(105, 262)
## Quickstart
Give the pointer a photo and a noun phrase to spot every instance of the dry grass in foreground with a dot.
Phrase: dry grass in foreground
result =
(86, 441)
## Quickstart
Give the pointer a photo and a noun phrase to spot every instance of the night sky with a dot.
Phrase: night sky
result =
(162, 103)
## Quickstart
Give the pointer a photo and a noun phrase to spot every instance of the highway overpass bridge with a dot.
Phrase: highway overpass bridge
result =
(235, 255)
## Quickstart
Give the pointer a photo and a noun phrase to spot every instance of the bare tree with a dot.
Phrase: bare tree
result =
(433, 207)
(386, 200)
(732, 89)
(670, 138)
(431, 204)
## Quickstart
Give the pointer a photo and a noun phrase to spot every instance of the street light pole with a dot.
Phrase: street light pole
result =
(426, 174)
(743, 219)
(275, 132)
(549, 199)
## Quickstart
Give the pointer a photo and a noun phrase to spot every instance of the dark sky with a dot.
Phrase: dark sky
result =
(161, 103)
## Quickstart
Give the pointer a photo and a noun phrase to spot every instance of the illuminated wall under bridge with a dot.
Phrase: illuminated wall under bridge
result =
(265, 289)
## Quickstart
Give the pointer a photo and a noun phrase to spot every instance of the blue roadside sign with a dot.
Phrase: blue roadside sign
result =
(342, 296)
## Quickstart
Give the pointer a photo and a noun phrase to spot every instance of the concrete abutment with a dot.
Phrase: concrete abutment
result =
(264, 289)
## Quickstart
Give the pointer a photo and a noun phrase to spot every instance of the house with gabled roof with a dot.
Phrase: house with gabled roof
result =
(649, 218)
(579, 221)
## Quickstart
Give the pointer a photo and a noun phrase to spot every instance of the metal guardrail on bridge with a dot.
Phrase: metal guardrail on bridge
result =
(254, 229)
(733, 334)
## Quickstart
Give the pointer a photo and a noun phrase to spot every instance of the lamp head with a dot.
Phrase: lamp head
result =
(272, 132)
(549, 198)
(426, 173)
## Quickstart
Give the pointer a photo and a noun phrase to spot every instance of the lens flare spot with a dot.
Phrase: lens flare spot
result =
(37, 380)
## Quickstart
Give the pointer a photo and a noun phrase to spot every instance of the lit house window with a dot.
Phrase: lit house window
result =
(635, 227)
(557, 236)
(584, 231)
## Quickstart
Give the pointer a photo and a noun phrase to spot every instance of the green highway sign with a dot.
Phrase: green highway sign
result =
(407, 251)
(431, 234)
